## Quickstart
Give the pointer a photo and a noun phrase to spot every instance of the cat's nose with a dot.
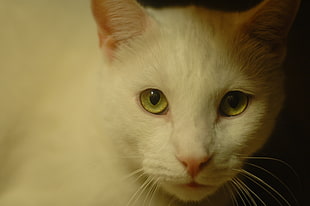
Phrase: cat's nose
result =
(194, 165)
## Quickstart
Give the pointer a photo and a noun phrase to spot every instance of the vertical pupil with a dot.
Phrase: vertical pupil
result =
(233, 101)
(154, 97)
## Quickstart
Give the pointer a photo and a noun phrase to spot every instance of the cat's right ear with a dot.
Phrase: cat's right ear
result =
(118, 21)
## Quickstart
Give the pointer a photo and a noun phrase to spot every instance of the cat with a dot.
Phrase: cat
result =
(179, 101)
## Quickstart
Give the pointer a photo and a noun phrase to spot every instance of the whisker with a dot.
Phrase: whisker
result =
(262, 184)
(250, 190)
(135, 172)
(139, 192)
(238, 190)
(150, 186)
(246, 191)
(278, 179)
(229, 188)
(276, 160)
(154, 190)
(149, 181)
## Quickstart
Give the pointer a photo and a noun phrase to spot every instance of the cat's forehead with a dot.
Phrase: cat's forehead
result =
(189, 55)
(198, 19)
(192, 41)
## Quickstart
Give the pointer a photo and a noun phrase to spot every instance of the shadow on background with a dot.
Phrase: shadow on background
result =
(290, 139)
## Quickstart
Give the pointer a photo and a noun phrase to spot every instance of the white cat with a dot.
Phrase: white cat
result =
(182, 98)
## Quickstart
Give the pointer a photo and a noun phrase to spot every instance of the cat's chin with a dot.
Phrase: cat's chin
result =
(191, 192)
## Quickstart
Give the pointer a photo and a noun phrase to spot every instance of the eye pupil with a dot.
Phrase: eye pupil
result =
(154, 97)
(233, 101)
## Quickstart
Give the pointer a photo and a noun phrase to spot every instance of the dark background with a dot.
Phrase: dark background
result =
(290, 139)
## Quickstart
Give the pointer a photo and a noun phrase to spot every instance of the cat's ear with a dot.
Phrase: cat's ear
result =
(268, 23)
(118, 21)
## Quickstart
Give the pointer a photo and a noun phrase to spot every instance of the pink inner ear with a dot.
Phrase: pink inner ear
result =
(118, 21)
(107, 43)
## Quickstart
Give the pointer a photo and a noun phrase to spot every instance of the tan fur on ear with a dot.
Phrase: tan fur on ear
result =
(271, 20)
(118, 21)
(262, 32)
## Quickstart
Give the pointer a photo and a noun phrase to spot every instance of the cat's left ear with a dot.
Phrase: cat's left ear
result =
(267, 25)
(118, 22)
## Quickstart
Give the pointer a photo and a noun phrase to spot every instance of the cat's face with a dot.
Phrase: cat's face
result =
(185, 106)
(194, 82)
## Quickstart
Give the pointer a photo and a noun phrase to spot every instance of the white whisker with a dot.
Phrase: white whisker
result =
(150, 186)
(238, 190)
(260, 199)
(135, 172)
(156, 189)
(139, 192)
(229, 187)
(276, 160)
(153, 190)
(261, 183)
(246, 191)
(278, 179)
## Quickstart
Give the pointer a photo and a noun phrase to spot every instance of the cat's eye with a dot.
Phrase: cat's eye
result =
(234, 103)
(154, 101)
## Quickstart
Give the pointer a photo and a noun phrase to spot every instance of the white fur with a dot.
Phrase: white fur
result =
(72, 130)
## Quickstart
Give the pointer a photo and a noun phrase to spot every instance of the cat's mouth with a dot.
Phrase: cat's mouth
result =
(190, 191)
(194, 185)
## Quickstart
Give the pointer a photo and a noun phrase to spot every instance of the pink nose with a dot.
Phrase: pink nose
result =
(194, 165)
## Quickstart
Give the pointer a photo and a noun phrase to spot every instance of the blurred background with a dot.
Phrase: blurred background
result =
(290, 141)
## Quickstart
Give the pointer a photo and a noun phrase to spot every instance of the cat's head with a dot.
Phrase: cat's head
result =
(191, 92)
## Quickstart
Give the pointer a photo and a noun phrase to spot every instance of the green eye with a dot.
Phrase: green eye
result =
(234, 103)
(154, 101)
